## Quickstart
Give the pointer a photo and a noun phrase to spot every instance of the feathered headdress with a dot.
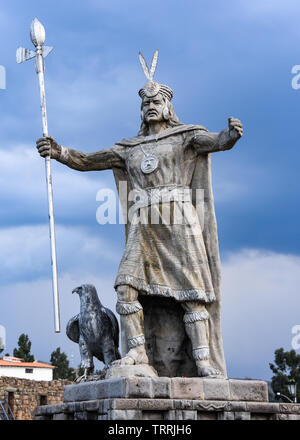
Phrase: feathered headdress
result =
(152, 88)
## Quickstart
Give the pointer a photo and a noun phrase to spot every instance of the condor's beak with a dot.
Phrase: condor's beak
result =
(76, 290)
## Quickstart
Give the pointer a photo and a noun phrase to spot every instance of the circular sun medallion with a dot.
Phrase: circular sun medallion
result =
(149, 164)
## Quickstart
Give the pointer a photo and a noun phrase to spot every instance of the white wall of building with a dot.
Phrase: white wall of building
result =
(20, 373)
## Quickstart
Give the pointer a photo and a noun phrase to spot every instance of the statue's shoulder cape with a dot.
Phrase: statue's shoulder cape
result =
(131, 142)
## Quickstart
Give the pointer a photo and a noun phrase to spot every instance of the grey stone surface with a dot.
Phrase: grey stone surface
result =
(106, 405)
(187, 388)
(216, 389)
(183, 404)
(248, 390)
(40, 417)
(289, 408)
(152, 415)
(210, 415)
(242, 415)
(136, 398)
(103, 417)
(91, 405)
(116, 388)
(263, 407)
(68, 407)
(185, 415)
(168, 347)
(60, 416)
(170, 415)
(262, 416)
(129, 414)
(226, 415)
(155, 404)
(86, 391)
(141, 370)
(52, 409)
(236, 406)
(169, 409)
(124, 403)
(175, 388)
(287, 417)
(80, 416)
(210, 405)
(95, 390)
(38, 411)
(139, 387)
(79, 406)
(161, 387)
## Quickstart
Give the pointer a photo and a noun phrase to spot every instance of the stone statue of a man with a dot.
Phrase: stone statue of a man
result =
(164, 258)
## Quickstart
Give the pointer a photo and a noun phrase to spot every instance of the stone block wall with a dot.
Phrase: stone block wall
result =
(167, 409)
(24, 394)
(164, 398)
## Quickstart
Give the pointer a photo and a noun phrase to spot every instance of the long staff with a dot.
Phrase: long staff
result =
(37, 35)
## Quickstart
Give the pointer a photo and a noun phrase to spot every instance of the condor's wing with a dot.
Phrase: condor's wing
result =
(72, 329)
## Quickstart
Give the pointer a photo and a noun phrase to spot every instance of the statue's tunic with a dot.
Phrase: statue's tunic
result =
(165, 258)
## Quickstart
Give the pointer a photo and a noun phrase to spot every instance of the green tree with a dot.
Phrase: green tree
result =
(23, 351)
(287, 369)
(60, 361)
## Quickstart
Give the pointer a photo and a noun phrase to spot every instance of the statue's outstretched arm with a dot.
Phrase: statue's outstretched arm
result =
(100, 160)
(207, 142)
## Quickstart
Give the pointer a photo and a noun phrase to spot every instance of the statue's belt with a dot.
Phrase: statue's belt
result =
(165, 194)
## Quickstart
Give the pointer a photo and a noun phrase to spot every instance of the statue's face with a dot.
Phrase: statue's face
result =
(152, 109)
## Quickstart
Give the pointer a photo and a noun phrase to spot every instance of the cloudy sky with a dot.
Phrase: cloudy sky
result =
(222, 59)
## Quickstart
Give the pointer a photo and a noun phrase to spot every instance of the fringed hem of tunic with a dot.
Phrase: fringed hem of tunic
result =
(166, 291)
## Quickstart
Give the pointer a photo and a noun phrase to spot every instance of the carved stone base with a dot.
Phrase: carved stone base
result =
(162, 398)
(141, 370)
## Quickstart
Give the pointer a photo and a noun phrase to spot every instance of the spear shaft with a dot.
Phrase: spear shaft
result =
(40, 71)
(37, 35)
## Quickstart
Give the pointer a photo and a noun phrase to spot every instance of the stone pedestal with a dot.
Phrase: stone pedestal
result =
(141, 370)
(162, 398)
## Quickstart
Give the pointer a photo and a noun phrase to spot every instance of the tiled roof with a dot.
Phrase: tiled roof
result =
(25, 364)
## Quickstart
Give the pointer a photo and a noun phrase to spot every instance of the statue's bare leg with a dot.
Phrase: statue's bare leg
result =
(132, 326)
(196, 326)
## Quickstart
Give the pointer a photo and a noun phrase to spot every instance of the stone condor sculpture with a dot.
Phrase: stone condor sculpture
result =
(95, 329)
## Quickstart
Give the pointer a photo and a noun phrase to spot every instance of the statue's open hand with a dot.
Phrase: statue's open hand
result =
(47, 146)
(235, 128)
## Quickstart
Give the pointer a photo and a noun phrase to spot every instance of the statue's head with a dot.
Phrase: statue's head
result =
(156, 103)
